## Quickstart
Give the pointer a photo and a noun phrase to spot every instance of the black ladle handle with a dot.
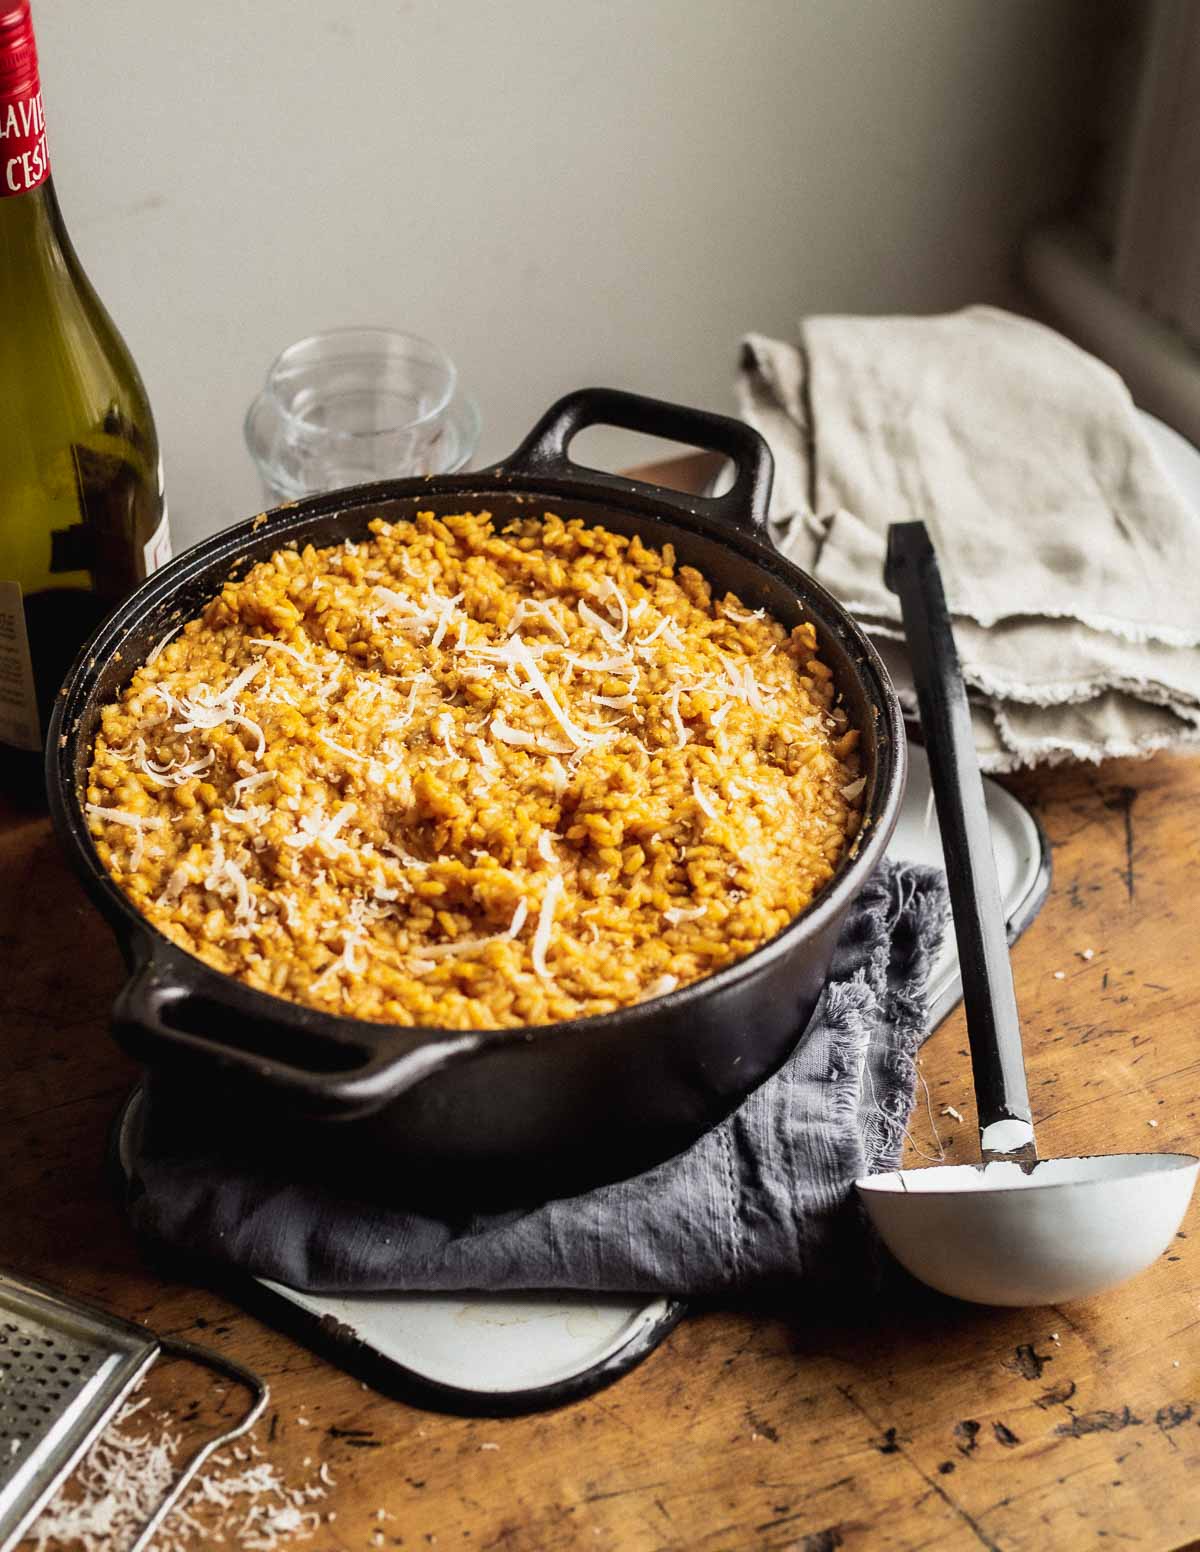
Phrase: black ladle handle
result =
(1001, 1092)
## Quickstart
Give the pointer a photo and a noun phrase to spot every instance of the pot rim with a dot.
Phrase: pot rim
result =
(145, 945)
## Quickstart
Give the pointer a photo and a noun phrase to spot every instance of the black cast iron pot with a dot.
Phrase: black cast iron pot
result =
(547, 1108)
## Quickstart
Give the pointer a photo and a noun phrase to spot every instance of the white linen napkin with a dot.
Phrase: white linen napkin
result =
(1071, 563)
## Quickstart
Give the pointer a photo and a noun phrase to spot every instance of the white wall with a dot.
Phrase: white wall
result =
(560, 193)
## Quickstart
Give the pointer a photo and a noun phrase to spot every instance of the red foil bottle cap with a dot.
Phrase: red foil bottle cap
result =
(18, 51)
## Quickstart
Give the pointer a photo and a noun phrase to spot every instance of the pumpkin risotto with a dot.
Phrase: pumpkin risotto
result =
(469, 778)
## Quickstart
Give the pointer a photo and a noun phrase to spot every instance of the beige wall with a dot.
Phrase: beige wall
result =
(561, 193)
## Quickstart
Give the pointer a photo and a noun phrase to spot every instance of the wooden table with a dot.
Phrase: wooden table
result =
(943, 1426)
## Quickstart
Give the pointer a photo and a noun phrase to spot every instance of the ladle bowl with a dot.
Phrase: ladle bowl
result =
(999, 1233)
(1012, 1229)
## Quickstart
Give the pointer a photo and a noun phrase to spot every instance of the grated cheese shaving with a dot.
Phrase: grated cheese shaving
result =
(540, 608)
(230, 693)
(225, 877)
(445, 616)
(852, 789)
(460, 946)
(180, 878)
(251, 727)
(750, 689)
(702, 800)
(537, 680)
(609, 591)
(598, 623)
(257, 815)
(234, 875)
(736, 683)
(442, 726)
(619, 663)
(350, 754)
(682, 913)
(249, 783)
(545, 923)
(397, 603)
(660, 629)
(268, 644)
(122, 816)
(349, 960)
(204, 709)
(153, 655)
(139, 823)
(398, 724)
(520, 739)
(325, 690)
(681, 733)
(434, 613)
(175, 772)
(316, 827)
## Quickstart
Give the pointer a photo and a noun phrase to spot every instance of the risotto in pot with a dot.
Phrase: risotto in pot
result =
(469, 776)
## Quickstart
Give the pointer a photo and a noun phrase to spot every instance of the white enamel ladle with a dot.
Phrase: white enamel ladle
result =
(1011, 1229)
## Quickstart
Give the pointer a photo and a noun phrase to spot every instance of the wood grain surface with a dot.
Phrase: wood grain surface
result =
(935, 1425)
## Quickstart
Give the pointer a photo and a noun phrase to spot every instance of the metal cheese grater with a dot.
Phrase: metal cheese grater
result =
(65, 1369)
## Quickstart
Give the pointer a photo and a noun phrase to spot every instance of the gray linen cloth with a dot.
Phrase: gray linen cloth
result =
(763, 1199)
(1071, 562)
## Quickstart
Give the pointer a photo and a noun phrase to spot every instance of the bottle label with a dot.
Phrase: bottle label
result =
(156, 551)
(19, 721)
(24, 159)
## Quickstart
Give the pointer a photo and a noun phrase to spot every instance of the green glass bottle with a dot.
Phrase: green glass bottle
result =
(82, 514)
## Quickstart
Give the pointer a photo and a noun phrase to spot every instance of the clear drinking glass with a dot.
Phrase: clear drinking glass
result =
(351, 405)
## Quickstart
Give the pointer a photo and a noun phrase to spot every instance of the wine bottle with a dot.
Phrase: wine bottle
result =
(82, 514)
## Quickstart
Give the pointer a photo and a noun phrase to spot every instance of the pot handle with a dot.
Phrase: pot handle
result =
(157, 1018)
(744, 505)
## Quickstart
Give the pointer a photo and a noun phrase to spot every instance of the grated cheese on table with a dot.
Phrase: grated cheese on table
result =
(239, 1499)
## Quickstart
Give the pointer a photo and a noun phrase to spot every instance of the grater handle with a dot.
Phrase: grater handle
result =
(234, 1371)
